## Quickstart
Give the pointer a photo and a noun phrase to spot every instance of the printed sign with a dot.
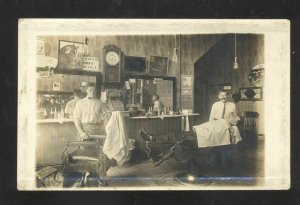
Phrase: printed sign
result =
(56, 86)
(158, 81)
(186, 84)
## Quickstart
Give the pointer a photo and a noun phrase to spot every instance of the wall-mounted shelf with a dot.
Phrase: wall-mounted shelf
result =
(149, 77)
(43, 69)
(51, 92)
(71, 72)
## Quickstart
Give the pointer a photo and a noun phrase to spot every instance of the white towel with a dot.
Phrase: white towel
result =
(117, 144)
(213, 133)
(217, 133)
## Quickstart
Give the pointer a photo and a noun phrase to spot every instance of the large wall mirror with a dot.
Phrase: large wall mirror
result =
(142, 89)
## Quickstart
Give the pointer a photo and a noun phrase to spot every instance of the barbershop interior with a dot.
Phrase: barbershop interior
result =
(149, 110)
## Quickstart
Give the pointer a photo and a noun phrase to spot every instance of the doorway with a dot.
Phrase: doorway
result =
(205, 92)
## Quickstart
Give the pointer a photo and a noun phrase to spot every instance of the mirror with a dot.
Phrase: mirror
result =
(142, 89)
(60, 100)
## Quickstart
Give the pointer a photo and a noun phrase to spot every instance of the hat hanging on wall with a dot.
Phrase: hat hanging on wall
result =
(256, 76)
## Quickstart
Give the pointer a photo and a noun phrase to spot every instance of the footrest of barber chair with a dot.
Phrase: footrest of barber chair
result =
(45, 172)
(164, 157)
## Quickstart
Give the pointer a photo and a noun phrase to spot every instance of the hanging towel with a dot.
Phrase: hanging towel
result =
(117, 144)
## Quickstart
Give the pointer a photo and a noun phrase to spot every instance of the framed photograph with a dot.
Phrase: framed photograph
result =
(135, 65)
(251, 94)
(70, 55)
(158, 66)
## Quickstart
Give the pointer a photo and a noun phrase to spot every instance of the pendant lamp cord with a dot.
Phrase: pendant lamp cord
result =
(235, 47)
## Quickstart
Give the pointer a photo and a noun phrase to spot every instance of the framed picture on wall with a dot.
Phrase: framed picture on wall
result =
(158, 66)
(70, 55)
(186, 85)
(251, 94)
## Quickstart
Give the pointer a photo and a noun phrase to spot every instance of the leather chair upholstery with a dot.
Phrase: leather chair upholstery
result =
(84, 156)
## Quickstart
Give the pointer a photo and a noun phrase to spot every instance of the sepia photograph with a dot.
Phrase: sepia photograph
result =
(165, 105)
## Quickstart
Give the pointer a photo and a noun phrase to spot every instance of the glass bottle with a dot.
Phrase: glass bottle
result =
(171, 111)
(45, 113)
(62, 113)
(51, 114)
(55, 113)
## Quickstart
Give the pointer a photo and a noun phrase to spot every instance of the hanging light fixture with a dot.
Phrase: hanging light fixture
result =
(235, 65)
(175, 55)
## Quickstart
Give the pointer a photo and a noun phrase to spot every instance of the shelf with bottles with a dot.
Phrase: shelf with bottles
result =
(51, 105)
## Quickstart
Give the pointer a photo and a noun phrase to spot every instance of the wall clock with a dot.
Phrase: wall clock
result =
(112, 63)
(112, 58)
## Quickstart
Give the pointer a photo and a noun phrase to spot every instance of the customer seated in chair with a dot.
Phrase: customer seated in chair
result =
(221, 128)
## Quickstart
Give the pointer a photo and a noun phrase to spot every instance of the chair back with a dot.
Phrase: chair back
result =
(250, 125)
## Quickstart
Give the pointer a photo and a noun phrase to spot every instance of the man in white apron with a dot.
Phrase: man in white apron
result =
(90, 117)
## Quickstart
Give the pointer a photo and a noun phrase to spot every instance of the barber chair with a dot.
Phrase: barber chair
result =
(249, 127)
(159, 157)
(82, 157)
(158, 152)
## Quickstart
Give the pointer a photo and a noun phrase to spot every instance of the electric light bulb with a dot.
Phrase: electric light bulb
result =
(175, 56)
(235, 65)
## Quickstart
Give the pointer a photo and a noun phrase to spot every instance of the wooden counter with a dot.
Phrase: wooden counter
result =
(164, 116)
(52, 137)
(53, 134)
(54, 120)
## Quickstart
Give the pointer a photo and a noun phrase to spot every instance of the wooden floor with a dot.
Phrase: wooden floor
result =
(171, 174)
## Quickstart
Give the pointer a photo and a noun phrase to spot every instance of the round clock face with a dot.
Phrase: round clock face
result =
(112, 58)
